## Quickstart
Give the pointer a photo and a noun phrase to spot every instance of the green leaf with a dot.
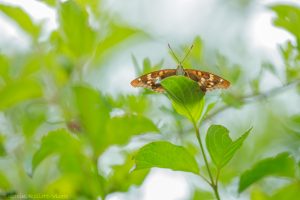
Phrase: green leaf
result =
(4, 183)
(288, 18)
(281, 165)
(58, 141)
(79, 37)
(121, 129)
(220, 146)
(165, 155)
(19, 91)
(289, 192)
(200, 194)
(22, 19)
(2, 148)
(122, 178)
(94, 115)
(116, 35)
(186, 96)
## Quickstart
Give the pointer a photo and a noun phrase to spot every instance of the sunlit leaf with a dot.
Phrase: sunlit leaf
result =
(77, 33)
(186, 96)
(21, 18)
(288, 17)
(19, 91)
(122, 177)
(165, 155)
(94, 114)
(220, 146)
(281, 165)
(4, 182)
(121, 129)
(289, 192)
(58, 141)
(200, 194)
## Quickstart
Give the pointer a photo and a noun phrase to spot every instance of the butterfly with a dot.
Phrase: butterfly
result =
(207, 81)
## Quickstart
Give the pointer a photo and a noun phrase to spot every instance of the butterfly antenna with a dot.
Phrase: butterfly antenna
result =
(174, 54)
(188, 53)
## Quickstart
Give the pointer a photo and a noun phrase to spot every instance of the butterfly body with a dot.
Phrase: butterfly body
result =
(206, 81)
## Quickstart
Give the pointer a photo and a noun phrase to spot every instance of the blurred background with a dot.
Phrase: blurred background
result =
(70, 121)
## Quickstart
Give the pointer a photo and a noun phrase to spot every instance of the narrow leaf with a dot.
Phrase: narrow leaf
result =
(165, 155)
(281, 165)
(220, 146)
(186, 96)
(21, 18)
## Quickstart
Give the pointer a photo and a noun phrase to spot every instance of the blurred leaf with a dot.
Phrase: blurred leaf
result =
(186, 96)
(147, 67)
(4, 69)
(22, 19)
(122, 178)
(94, 114)
(131, 103)
(220, 146)
(4, 183)
(137, 68)
(121, 129)
(49, 2)
(2, 148)
(19, 91)
(32, 117)
(270, 67)
(201, 195)
(289, 192)
(197, 51)
(79, 36)
(288, 18)
(58, 141)
(116, 35)
(232, 100)
(281, 165)
(165, 155)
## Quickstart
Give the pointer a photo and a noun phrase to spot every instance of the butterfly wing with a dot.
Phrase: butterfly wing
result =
(152, 80)
(207, 81)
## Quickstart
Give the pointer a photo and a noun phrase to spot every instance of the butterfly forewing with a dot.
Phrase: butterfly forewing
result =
(207, 81)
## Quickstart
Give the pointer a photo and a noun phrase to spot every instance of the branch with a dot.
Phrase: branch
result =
(247, 99)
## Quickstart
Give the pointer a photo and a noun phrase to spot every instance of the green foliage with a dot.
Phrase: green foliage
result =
(4, 183)
(220, 146)
(165, 155)
(79, 37)
(93, 113)
(288, 19)
(123, 177)
(18, 92)
(59, 141)
(121, 129)
(22, 19)
(55, 121)
(186, 96)
(281, 165)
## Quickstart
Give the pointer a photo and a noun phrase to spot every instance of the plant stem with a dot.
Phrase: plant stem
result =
(211, 183)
